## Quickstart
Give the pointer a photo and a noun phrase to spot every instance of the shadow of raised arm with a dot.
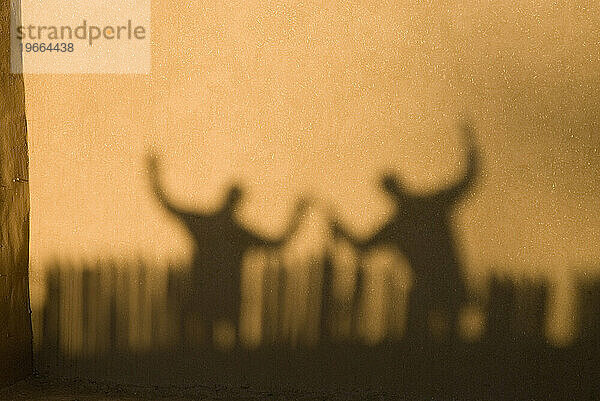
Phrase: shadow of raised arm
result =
(301, 208)
(466, 183)
(154, 172)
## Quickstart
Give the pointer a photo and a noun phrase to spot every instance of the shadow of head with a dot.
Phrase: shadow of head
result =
(234, 198)
(391, 184)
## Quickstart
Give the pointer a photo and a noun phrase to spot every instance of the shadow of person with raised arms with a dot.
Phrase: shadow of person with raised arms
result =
(220, 242)
(421, 230)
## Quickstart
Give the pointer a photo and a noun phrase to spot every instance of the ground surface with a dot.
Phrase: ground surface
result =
(40, 388)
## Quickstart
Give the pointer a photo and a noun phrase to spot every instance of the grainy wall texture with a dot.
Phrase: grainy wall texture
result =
(15, 320)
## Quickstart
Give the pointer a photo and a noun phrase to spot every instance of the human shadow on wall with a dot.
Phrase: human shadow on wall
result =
(421, 230)
(220, 243)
